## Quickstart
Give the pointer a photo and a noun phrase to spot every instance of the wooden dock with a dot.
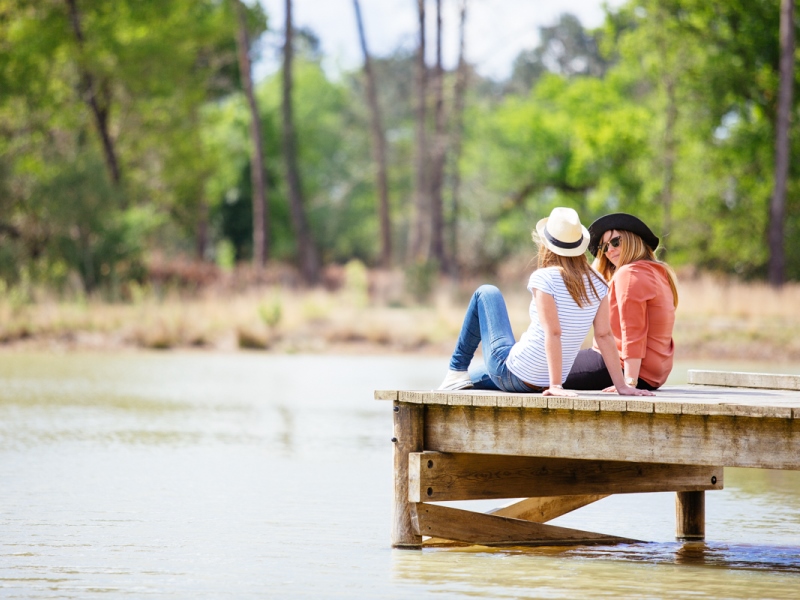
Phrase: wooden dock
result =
(560, 454)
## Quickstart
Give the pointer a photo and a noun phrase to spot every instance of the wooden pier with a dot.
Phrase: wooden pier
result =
(560, 454)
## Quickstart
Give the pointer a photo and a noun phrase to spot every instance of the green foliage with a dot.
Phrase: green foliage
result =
(225, 255)
(667, 111)
(271, 312)
(421, 277)
(73, 222)
(356, 283)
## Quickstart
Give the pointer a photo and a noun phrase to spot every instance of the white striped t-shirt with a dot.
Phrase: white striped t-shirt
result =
(527, 359)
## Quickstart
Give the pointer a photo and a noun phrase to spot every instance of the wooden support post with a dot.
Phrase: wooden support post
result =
(690, 515)
(408, 437)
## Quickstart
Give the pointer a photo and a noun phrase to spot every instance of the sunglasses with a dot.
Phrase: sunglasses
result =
(613, 242)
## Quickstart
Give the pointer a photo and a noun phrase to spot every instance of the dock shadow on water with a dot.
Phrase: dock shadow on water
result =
(253, 476)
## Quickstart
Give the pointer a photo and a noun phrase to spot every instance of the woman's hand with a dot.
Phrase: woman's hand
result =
(559, 391)
(627, 390)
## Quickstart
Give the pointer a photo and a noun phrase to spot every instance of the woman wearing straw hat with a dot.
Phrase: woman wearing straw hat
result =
(642, 297)
(569, 297)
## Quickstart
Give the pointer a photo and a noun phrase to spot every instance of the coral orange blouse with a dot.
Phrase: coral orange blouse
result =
(642, 318)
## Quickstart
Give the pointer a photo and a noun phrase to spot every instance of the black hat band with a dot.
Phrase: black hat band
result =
(559, 244)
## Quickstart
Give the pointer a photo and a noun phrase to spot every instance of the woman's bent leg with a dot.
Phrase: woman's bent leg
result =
(486, 322)
(588, 372)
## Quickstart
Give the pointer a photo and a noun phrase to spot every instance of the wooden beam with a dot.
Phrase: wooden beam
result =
(690, 515)
(609, 435)
(541, 510)
(769, 381)
(436, 477)
(490, 530)
(536, 510)
(408, 437)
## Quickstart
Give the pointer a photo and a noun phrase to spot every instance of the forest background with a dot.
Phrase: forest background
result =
(152, 194)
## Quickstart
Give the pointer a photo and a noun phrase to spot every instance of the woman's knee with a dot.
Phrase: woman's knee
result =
(487, 290)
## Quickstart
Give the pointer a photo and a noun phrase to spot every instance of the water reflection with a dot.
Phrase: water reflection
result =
(636, 571)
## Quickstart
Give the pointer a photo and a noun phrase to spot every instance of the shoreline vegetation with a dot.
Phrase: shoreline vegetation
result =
(357, 311)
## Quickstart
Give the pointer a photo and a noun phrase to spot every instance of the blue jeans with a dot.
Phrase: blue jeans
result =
(487, 322)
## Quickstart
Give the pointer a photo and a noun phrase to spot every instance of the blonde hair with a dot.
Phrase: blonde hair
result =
(575, 271)
(633, 248)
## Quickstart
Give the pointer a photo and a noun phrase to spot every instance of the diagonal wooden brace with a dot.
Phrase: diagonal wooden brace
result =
(536, 510)
(435, 476)
(490, 530)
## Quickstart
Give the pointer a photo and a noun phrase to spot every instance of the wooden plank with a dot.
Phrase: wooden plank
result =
(510, 401)
(541, 510)
(490, 530)
(412, 397)
(484, 400)
(613, 404)
(667, 408)
(775, 412)
(585, 404)
(408, 438)
(692, 399)
(690, 515)
(556, 402)
(537, 510)
(707, 409)
(437, 477)
(608, 435)
(534, 401)
(645, 406)
(769, 381)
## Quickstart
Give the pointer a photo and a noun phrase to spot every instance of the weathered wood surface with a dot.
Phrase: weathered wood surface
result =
(671, 400)
(541, 510)
(493, 530)
(746, 380)
(690, 515)
(536, 510)
(728, 441)
(408, 432)
(436, 477)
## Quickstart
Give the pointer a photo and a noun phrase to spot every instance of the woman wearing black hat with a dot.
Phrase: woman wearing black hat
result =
(642, 300)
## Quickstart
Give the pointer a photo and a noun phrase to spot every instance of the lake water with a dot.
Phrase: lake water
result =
(257, 476)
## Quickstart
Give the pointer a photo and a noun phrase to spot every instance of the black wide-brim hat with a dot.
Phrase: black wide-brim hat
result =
(620, 222)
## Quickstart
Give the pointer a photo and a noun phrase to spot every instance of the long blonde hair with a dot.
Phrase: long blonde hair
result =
(633, 248)
(575, 270)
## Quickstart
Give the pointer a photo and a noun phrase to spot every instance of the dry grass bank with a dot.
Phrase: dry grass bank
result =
(371, 313)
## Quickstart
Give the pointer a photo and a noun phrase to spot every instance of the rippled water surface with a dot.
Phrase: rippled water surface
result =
(257, 476)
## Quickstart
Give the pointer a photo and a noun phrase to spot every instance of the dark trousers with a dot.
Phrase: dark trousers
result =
(589, 373)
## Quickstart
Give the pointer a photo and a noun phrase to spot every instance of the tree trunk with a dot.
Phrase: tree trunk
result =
(670, 150)
(439, 150)
(457, 135)
(378, 146)
(306, 249)
(100, 106)
(419, 238)
(201, 235)
(260, 206)
(777, 210)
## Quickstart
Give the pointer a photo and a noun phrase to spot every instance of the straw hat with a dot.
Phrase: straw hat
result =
(562, 232)
(620, 222)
